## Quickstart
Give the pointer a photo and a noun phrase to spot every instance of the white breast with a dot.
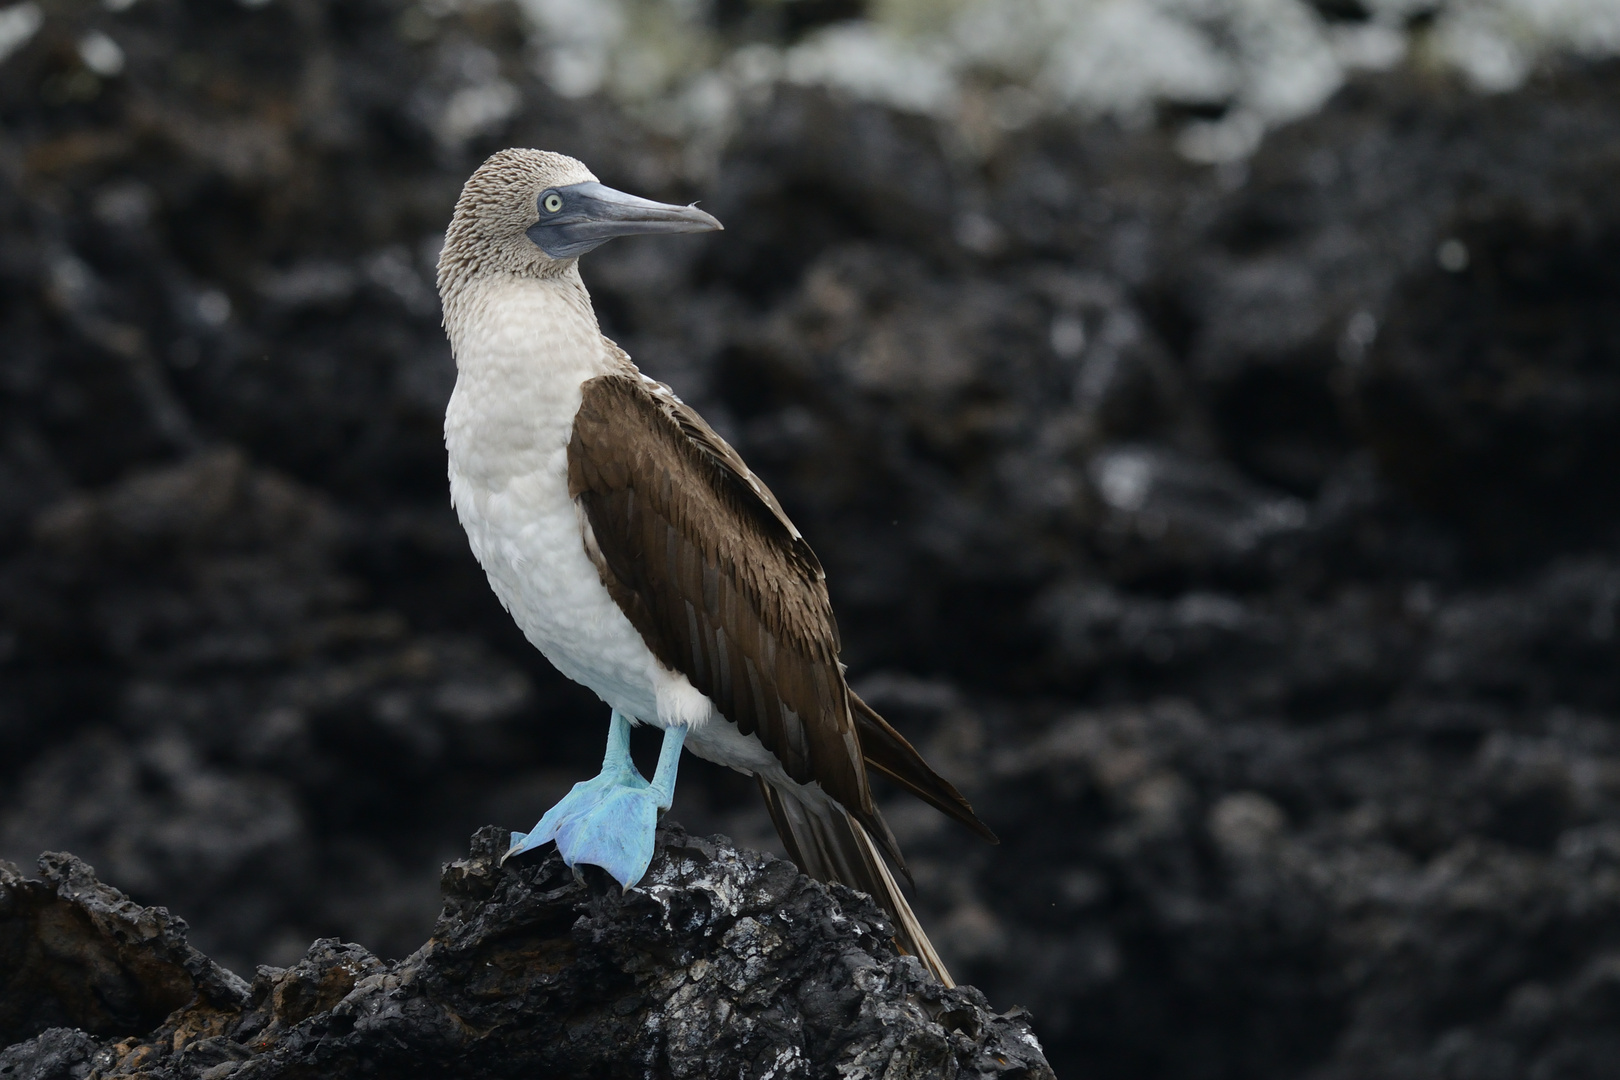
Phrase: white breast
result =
(523, 347)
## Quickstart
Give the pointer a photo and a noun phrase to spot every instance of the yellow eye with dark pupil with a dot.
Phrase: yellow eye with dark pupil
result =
(553, 203)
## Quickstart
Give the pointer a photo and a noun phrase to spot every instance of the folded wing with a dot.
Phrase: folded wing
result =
(699, 555)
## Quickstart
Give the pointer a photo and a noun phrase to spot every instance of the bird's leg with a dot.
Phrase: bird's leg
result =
(669, 759)
(610, 820)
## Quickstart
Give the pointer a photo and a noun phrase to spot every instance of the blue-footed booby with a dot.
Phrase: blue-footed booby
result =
(639, 553)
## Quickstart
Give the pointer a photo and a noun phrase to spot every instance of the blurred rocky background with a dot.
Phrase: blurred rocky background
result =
(1208, 413)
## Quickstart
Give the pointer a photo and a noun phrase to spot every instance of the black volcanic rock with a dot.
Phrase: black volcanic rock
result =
(191, 649)
(76, 952)
(720, 963)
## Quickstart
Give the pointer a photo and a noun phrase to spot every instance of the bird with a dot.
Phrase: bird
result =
(638, 552)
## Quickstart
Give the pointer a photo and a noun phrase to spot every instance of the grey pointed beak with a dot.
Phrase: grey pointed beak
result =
(576, 218)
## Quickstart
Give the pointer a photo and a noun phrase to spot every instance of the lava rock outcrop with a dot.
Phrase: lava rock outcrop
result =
(720, 963)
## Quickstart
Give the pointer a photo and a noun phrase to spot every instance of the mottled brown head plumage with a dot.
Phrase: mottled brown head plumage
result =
(496, 206)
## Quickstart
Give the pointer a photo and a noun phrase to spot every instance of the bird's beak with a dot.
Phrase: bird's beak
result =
(576, 218)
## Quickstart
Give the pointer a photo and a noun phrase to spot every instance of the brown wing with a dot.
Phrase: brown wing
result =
(700, 556)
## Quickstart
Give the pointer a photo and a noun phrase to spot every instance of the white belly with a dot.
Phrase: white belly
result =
(526, 536)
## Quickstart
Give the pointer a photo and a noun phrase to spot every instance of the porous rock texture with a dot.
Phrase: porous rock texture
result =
(721, 962)
(1242, 540)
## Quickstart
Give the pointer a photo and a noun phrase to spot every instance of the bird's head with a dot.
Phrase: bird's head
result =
(533, 211)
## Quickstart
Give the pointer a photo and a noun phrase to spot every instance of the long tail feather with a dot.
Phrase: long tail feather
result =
(887, 751)
(830, 845)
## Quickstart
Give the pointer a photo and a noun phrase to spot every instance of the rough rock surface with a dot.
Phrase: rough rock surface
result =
(1243, 541)
(721, 963)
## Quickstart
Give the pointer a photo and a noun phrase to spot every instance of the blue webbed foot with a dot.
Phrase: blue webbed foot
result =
(610, 820)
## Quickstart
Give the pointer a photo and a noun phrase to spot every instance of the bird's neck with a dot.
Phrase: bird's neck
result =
(523, 346)
(503, 311)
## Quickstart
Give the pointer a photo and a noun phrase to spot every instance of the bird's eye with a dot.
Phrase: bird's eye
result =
(552, 203)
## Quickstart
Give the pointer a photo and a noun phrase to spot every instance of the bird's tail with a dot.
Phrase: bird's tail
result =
(830, 845)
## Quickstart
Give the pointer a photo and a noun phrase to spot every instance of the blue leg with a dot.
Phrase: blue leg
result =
(609, 820)
(669, 759)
